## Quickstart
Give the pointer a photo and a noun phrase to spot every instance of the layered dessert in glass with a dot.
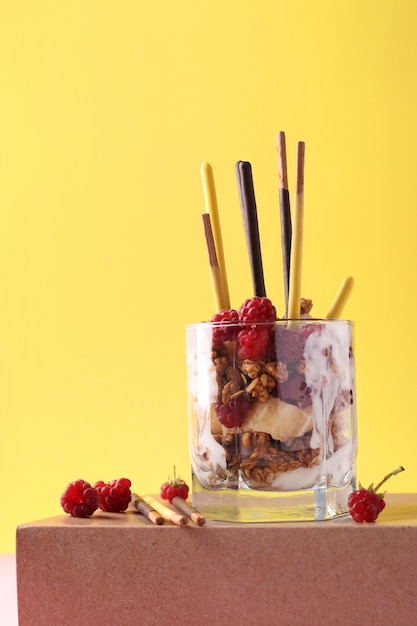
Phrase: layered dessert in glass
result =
(272, 419)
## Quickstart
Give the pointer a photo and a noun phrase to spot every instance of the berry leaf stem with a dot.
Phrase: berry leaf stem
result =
(393, 473)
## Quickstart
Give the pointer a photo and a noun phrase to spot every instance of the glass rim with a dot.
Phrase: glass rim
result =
(331, 321)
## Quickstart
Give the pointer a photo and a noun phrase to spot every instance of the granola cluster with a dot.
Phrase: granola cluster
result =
(261, 459)
(256, 379)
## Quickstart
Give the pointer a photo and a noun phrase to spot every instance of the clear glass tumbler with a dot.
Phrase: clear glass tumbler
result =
(272, 419)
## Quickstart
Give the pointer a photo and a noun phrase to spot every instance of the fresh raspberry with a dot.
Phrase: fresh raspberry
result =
(366, 504)
(174, 488)
(252, 343)
(79, 499)
(232, 414)
(226, 327)
(114, 496)
(257, 309)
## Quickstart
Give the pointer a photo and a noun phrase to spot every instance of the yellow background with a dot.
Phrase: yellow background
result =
(107, 110)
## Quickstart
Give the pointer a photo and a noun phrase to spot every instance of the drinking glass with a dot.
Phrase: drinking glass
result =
(272, 419)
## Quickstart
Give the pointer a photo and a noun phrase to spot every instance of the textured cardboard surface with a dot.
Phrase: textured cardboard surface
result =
(119, 569)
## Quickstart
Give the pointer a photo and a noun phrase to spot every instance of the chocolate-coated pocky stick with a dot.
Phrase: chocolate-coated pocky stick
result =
(143, 507)
(250, 222)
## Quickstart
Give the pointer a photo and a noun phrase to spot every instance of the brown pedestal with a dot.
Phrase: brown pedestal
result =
(119, 569)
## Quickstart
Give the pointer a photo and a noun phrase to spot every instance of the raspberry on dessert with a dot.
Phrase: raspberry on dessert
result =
(252, 343)
(226, 327)
(174, 488)
(232, 414)
(79, 499)
(257, 309)
(114, 496)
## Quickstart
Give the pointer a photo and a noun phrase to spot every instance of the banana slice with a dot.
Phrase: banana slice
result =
(279, 419)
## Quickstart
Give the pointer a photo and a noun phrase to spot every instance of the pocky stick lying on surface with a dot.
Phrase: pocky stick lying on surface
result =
(145, 509)
(189, 511)
(168, 514)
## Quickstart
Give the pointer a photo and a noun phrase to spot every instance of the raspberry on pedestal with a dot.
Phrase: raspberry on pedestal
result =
(114, 496)
(366, 504)
(79, 499)
(174, 488)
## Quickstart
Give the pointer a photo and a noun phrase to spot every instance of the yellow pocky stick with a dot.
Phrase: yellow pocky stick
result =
(341, 298)
(285, 213)
(210, 198)
(294, 296)
(217, 283)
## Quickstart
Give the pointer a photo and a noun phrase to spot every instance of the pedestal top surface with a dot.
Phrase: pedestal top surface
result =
(400, 510)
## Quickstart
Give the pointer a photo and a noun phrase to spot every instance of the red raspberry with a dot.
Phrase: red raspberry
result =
(226, 325)
(79, 499)
(114, 496)
(232, 414)
(366, 504)
(174, 488)
(252, 343)
(257, 310)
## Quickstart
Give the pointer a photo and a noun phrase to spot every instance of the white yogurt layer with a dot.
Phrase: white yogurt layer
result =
(335, 471)
(329, 373)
